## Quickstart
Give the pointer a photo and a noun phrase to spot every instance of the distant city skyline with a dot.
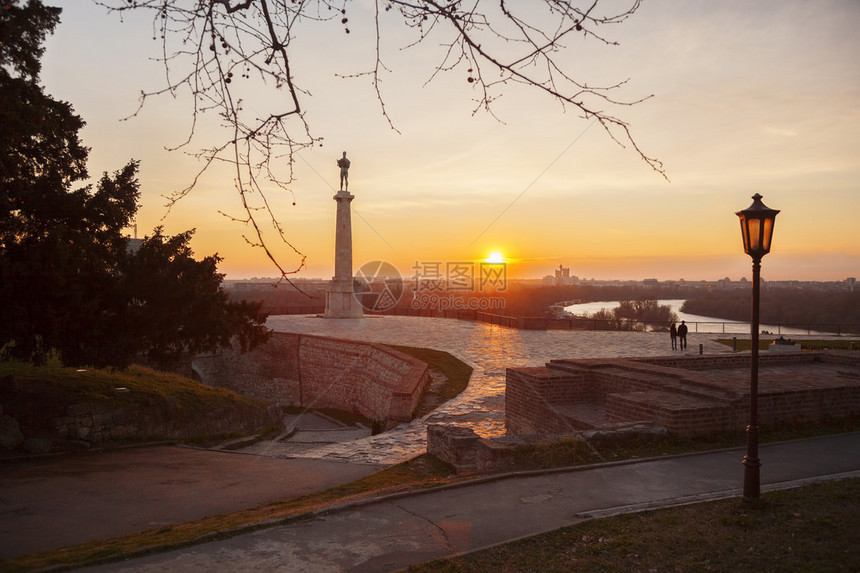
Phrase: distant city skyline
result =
(748, 97)
(850, 283)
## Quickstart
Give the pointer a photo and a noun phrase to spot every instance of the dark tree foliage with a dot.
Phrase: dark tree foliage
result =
(67, 280)
(23, 29)
(177, 305)
(635, 315)
(59, 260)
(798, 307)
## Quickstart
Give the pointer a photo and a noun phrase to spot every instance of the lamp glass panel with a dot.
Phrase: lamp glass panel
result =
(768, 233)
(754, 234)
(745, 233)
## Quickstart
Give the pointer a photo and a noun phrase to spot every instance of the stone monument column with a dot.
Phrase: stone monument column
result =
(340, 300)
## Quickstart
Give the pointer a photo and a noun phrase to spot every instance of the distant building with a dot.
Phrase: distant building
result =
(562, 276)
(851, 282)
(249, 286)
(133, 245)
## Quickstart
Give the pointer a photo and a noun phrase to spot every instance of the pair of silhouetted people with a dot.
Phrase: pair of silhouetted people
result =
(678, 336)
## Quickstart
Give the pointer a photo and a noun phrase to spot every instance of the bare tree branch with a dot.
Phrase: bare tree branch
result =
(497, 44)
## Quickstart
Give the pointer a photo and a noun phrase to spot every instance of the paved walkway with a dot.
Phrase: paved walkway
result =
(58, 502)
(391, 534)
(489, 349)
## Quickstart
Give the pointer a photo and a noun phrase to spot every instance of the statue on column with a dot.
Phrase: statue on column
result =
(343, 163)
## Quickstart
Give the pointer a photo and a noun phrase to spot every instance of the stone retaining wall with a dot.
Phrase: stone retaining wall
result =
(317, 372)
(41, 428)
(468, 452)
(97, 422)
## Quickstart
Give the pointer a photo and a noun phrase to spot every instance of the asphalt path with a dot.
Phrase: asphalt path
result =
(392, 533)
(58, 502)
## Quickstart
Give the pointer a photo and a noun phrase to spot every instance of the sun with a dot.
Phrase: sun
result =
(495, 258)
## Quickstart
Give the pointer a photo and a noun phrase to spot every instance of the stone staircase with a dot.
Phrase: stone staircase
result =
(647, 383)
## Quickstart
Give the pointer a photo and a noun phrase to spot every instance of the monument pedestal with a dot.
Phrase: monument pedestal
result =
(340, 301)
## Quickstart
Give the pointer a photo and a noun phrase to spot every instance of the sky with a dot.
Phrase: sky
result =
(748, 97)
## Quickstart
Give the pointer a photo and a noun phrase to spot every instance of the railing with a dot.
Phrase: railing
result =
(724, 327)
(310, 309)
(549, 323)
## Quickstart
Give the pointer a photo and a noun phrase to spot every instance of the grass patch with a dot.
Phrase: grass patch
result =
(763, 344)
(813, 528)
(40, 395)
(71, 385)
(572, 451)
(421, 472)
(455, 370)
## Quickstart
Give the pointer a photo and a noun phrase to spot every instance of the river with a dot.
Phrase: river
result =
(696, 322)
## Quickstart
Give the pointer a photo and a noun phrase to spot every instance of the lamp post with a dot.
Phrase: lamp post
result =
(757, 231)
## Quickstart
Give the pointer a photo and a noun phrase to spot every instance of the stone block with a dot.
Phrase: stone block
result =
(626, 431)
(82, 409)
(10, 432)
(79, 432)
(121, 431)
(38, 445)
(102, 420)
(498, 453)
(455, 445)
(102, 408)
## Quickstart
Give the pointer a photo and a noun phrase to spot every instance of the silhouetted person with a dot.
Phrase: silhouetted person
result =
(343, 163)
(682, 335)
(673, 334)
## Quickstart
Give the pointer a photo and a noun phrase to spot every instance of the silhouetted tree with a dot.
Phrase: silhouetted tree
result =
(175, 304)
(797, 307)
(634, 315)
(211, 46)
(67, 279)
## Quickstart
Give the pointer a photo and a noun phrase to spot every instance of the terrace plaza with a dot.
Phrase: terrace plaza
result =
(491, 350)
(685, 394)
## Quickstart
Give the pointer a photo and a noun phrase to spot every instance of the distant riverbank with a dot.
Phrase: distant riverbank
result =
(698, 323)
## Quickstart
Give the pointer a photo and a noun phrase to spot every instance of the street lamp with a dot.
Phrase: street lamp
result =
(757, 230)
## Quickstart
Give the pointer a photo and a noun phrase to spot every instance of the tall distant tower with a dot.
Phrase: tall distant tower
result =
(340, 302)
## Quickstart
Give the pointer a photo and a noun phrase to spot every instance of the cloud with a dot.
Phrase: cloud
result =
(780, 131)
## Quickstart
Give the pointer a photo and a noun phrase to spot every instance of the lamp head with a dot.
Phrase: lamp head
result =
(757, 227)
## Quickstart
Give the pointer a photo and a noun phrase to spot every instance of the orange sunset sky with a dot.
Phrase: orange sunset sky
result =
(749, 97)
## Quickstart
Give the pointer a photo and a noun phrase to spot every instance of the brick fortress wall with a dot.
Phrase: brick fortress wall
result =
(316, 372)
